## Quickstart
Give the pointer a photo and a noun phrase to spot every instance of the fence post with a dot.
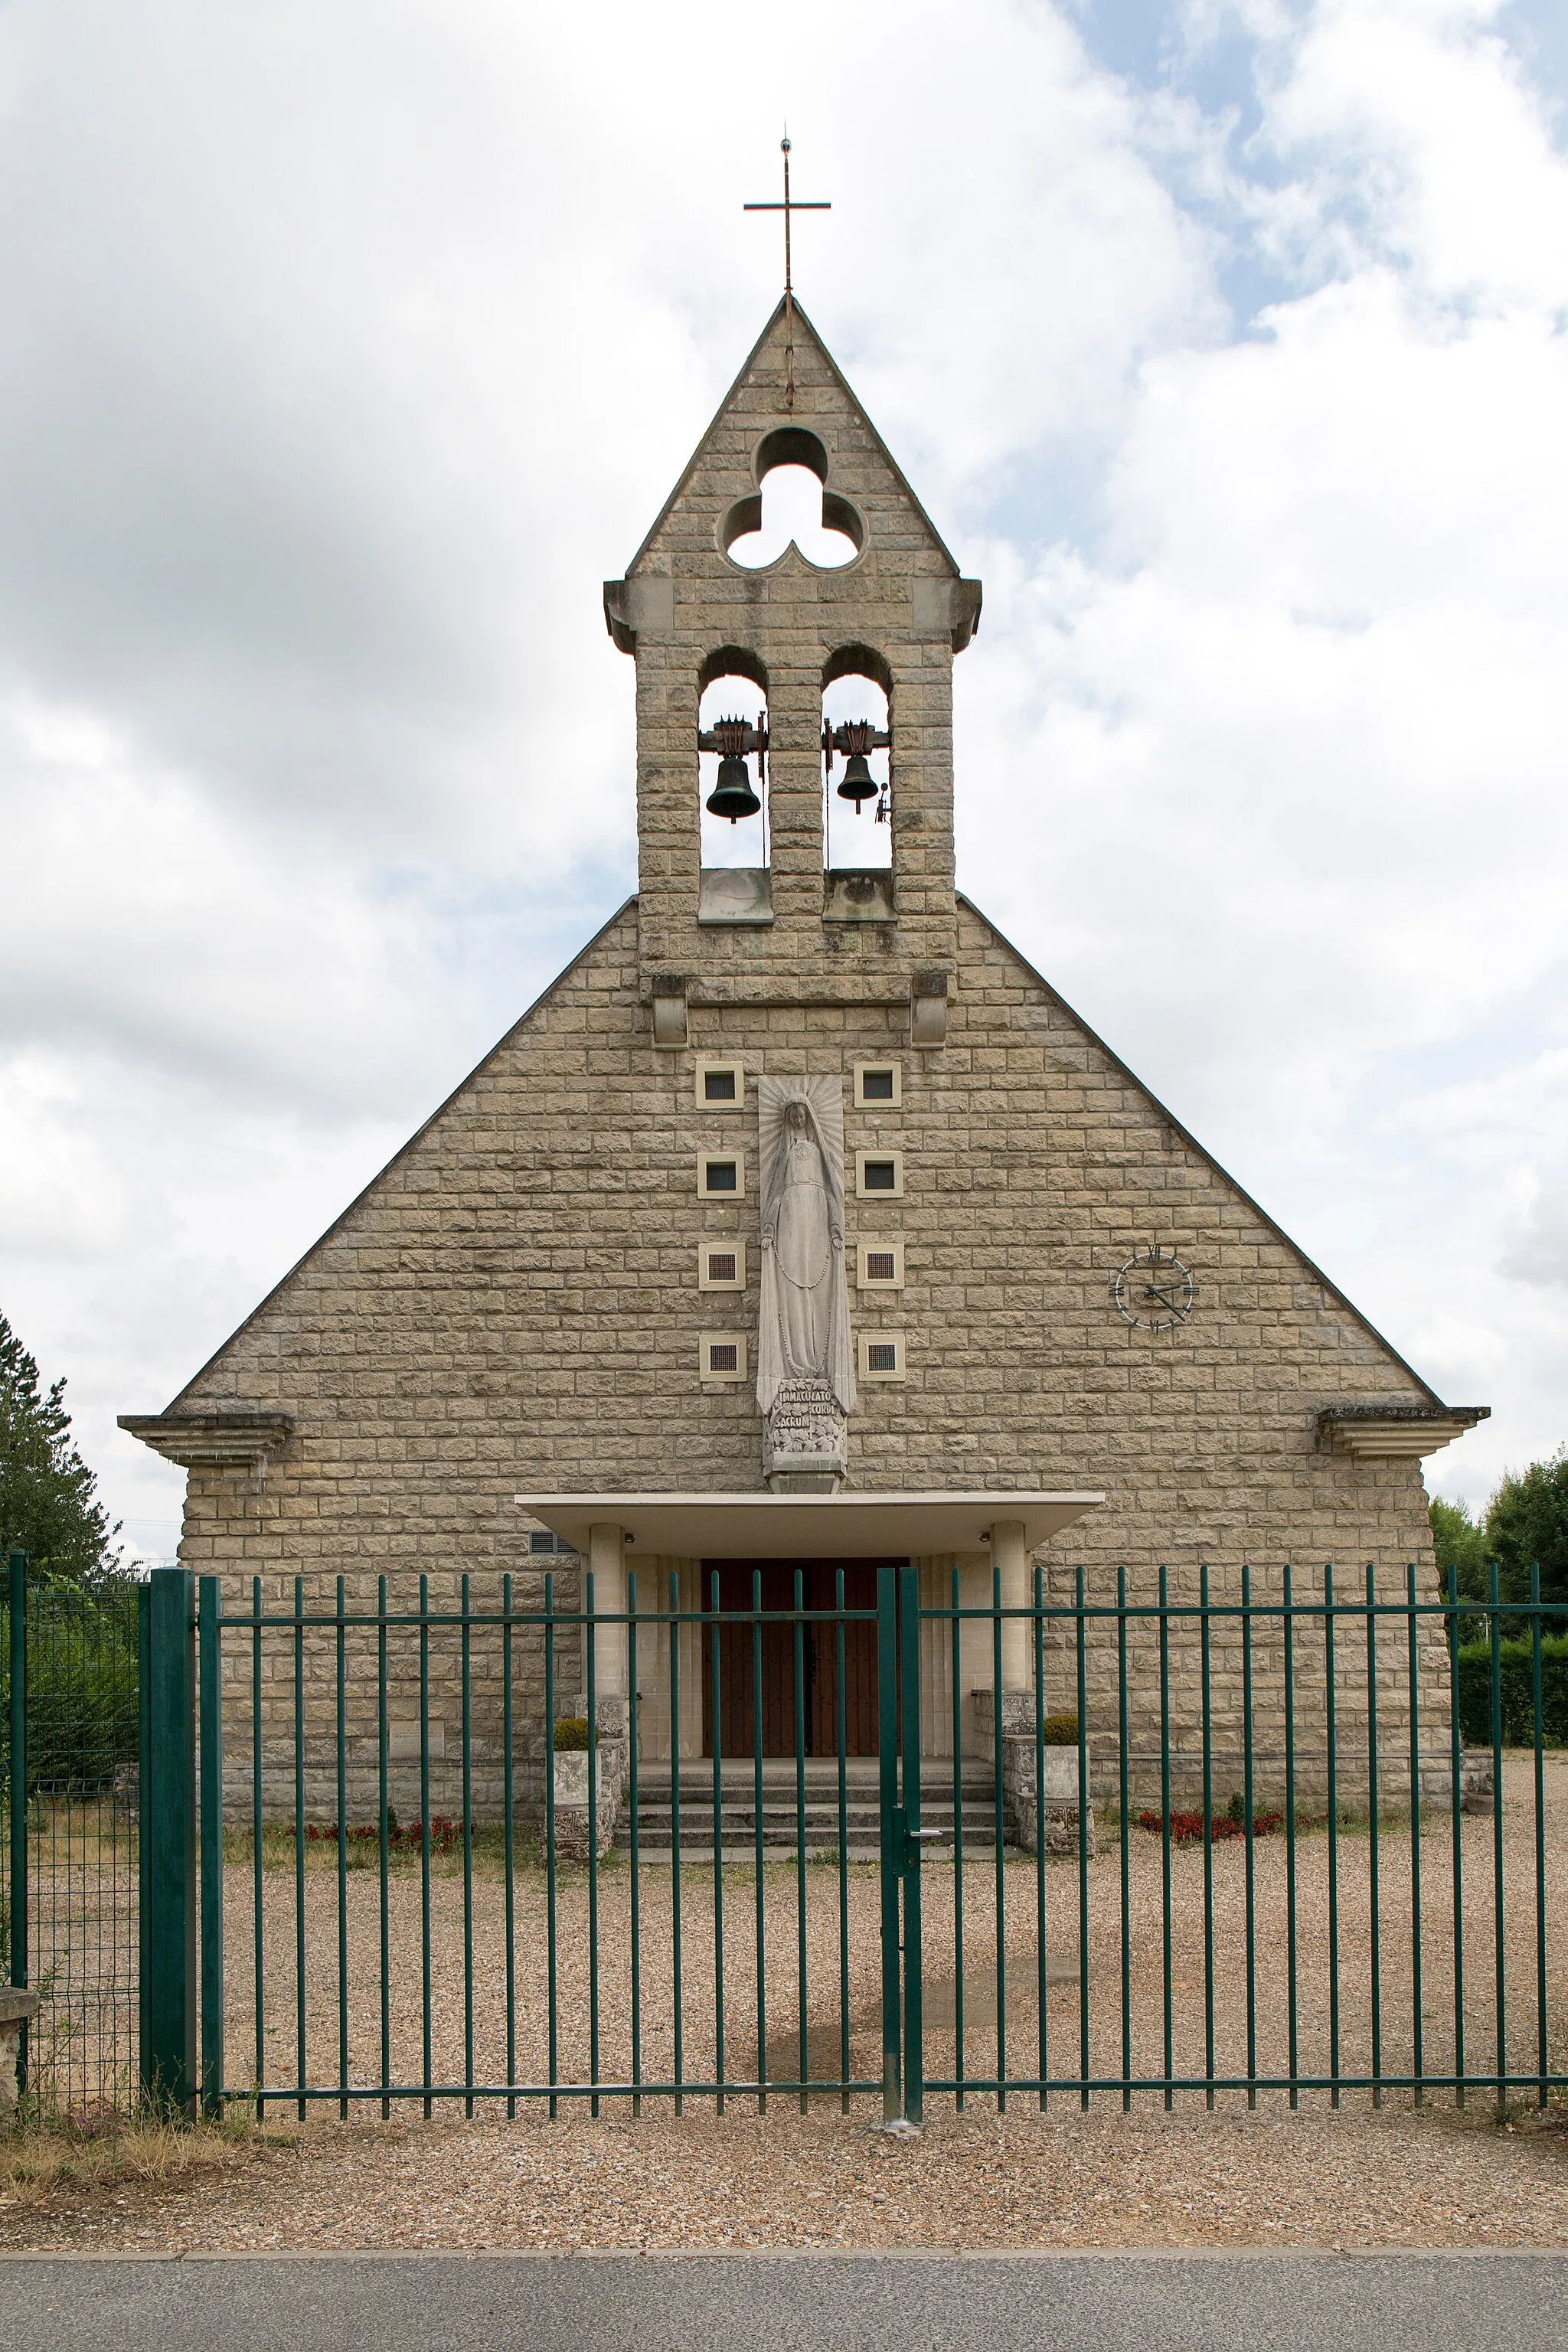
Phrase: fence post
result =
(168, 1772)
(18, 1924)
(208, 1612)
(892, 1838)
(909, 1727)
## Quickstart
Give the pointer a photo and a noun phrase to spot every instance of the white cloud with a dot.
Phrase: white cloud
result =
(342, 355)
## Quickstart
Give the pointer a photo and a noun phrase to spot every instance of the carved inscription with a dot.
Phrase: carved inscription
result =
(805, 1422)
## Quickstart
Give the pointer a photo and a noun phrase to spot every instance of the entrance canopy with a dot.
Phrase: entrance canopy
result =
(806, 1526)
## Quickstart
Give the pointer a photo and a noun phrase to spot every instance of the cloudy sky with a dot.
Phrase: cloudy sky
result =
(347, 348)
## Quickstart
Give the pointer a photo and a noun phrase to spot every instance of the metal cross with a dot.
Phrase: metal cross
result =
(790, 204)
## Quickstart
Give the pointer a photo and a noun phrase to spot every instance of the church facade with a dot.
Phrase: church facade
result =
(800, 1220)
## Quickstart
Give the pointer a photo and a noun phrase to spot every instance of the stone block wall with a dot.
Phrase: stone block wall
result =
(512, 1306)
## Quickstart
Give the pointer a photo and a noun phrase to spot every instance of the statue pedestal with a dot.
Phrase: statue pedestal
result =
(803, 1440)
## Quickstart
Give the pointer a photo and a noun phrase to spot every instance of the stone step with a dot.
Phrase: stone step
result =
(782, 1829)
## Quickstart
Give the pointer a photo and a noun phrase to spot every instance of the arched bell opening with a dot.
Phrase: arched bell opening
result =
(858, 782)
(733, 787)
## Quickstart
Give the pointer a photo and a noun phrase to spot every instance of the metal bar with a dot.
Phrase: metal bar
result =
(592, 1632)
(17, 1890)
(1374, 1860)
(1332, 1719)
(1413, 1655)
(1126, 1826)
(1541, 2047)
(1292, 2005)
(299, 1840)
(1198, 2081)
(425, 1827)
(840, 1740)
(718, 1743)
(1249, 1801)
(509, 1832)
(633, 1740)
(1165, 1815)
(383, 1841)
(1206, 1718)
(259, 1908)
(910, 1710)
(143, 1844)
(1500, 1961)
(1042, 2052)
(890, 1828)
(211, 1798)
(999, 1856)
(676, 1993)
(169, 2078)
(343, 1862)
(466, 1666)
(799, 1824)
(553, 1988)
(1455, 1804)
(958, 1848)
(757, 1838)
(20, 1923)
(1083, 1820)
(1507, 1610)
(610, 2087)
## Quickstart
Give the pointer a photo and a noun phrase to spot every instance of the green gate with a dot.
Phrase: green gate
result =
(1288, 1838)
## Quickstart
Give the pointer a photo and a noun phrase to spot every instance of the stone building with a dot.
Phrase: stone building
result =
(541, 1328)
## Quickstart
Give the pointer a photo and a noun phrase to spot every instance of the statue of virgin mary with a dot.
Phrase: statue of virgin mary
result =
(803, 1344)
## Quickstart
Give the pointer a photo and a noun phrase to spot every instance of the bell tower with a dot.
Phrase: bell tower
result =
(878, 599)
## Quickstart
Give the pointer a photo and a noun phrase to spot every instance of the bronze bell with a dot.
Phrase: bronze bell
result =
(732, 795)
(858, 785)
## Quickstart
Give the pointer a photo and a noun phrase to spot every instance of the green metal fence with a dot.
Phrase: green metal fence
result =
(1311, 1861)
(69, 1746)
(1165, 1841)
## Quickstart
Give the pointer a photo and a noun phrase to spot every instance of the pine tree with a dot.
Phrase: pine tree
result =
(47, 1499)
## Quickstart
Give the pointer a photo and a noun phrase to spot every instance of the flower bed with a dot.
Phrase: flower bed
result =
(400, 1838)
(1187, 1829)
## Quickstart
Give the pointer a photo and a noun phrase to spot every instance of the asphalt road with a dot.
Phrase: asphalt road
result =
(807, 2303)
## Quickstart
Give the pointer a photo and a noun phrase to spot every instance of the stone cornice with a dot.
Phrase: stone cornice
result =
(1394, 1432)
(205, 1440)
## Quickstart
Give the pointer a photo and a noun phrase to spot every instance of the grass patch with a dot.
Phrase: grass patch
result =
(41, 2155)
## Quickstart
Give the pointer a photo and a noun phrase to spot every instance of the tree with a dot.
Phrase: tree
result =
(1460, 1543)
(1527, 1526)
(47, 1495)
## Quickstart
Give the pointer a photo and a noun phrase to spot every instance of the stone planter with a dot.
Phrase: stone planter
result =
(1060, 1796)
(571, 1768)
(1060, 1789)
(16, 2007)
(1474, 1782)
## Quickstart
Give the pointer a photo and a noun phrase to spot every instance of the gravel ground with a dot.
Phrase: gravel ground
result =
(833, 2003)
(1396, 2176)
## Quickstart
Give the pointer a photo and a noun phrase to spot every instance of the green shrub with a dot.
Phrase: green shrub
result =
(82, 1717)
(572, 1735)
(1060, 1731)
(1516, 1681)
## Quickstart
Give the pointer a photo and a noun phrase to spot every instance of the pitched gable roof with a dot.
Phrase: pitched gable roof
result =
(1307, 1264)
(756, 369)
(423, 1130)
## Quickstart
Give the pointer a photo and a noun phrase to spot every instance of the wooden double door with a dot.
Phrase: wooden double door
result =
(743, 1680)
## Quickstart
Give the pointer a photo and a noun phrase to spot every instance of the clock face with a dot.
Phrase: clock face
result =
(1153, 1291)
